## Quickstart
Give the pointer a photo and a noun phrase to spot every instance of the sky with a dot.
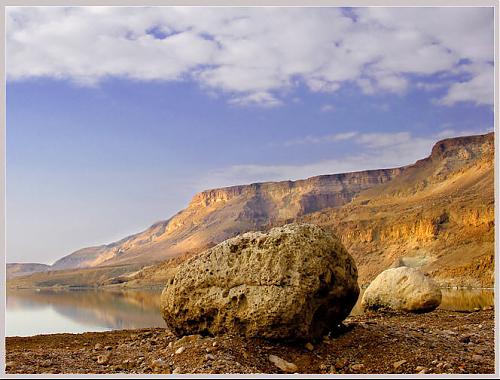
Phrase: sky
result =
(117, 116)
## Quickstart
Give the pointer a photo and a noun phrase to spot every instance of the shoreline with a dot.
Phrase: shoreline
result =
(161, 287)
(442, 341)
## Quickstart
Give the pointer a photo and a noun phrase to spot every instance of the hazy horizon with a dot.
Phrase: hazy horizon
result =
(116, 117)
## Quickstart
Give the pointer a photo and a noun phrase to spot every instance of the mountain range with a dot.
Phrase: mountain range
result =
(437, 214)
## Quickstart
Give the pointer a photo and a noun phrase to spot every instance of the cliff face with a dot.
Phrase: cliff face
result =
(438, 216)
(215, 215)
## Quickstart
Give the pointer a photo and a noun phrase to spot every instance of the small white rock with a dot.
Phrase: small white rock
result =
(283, 364)
(180, 350)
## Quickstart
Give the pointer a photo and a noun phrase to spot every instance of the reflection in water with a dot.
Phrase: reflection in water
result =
(466, 299)
(44, 312)
(453, 299)
(80, 311)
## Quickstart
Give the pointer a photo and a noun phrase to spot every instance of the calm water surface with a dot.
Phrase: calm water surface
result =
(48, 312)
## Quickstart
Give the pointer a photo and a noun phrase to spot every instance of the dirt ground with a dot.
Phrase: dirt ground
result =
(438, 342)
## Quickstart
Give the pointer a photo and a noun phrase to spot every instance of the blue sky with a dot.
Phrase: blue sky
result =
(116, 117)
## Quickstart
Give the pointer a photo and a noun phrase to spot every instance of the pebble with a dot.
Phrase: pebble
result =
(309, 346)
(422, 371)
(98, 346)
(214, 344)
(176, 370)
(180, 350)
(103, 359)
(283, 364)
(477, 358)
(340, 363)
(9, 365)
(187, 339)
(398, 364)
(108, 348)
(209, 357)
(357, 367)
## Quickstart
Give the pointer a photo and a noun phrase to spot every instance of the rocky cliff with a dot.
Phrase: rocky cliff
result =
(215, 215)
(438, 216)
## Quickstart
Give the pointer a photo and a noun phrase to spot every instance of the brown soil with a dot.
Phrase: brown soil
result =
(438, 342)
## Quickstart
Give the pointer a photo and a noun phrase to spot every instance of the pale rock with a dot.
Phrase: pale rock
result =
(403, 288)
(398, 364)
(103, 359)
(283, 364)
(296, 281)
(186, 340)
(357, 367)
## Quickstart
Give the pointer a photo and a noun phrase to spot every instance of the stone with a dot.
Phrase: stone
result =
(340, 363)
(296, 282)
(309, 346)
(158, 363)
(103, 359)
(180, 350)
(283, 364)
(98, 346)
(209, 357)
(186, 340)
(357, 367)
(398, 364)
(403, 289)
(9, 365)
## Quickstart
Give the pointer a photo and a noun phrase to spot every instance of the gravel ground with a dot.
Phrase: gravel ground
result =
(438, 342)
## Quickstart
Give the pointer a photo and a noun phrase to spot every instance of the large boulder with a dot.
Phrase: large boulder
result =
(296, 281)
(402, 289)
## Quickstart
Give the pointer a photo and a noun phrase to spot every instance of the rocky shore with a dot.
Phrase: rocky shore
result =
(437, 342)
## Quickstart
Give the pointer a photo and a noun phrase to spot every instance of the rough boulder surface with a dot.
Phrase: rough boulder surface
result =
(403, 288)
(296, 281)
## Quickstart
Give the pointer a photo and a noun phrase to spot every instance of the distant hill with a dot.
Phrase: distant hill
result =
(24, 269)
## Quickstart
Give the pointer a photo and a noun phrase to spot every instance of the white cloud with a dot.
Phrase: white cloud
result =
(255, 55)
(380, 150)
(264, 99)
(321, 139)
(450, 132)
(403, 151)
(478, 90)
(327, 108)
(381, 140)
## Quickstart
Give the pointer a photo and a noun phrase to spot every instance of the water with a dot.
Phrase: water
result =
(453, 299)
(47, 312)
